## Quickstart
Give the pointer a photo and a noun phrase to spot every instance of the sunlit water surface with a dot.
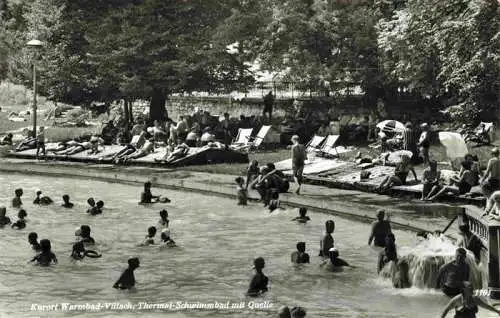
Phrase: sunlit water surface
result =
(218, 241)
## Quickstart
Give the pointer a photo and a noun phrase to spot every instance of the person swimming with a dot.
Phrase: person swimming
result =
(149, 238)
(241, 191)
(79, 252)
(93, 208)
(33, 240)
(16, 202)
(66, 204)
(99, 205)
(4, 220)
(164, 221)
(300, 256)
(21, 223)
(166, 239)
(46, 257)
(258, 285)
(42, 200)
(84, 235)
(147, 197)
(127, 279)
(302, 218)
(327, 241)
(335, 261)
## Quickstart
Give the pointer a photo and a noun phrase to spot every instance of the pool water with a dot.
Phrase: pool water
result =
(218, 241)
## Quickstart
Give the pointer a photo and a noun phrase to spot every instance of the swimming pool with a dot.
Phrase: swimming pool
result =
(218, 241)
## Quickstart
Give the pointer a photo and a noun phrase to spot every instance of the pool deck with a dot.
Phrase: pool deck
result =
(405, 212)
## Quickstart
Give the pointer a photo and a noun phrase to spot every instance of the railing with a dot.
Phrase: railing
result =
(479, 225)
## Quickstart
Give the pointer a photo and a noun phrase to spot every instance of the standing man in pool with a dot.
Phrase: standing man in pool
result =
(452, 275)
(380, 229)
(299, 157)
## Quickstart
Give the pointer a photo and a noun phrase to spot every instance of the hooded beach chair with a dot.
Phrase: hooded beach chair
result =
(328, 147)
(261, 135)
(314, 143)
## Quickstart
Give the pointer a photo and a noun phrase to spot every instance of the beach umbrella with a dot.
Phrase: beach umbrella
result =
(391, 126)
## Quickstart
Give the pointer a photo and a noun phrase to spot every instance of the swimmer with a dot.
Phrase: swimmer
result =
(4, 220)
(127, 280)
(21, 223)
(33, 240)
(66, 204)
(99, 205)
(327, 241)
(92, 208)
(300, 256)
(46, 256)
(302, 218)
(16, 202)
(42, 200)
(164, 221)
(147, 196)
(335, 261)
(258, 285)
(79, 252)
(149, 238)
(166, 240)
(401, 278)
(84, 235)
(241, 191)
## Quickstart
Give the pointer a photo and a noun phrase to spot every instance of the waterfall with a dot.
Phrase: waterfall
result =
(425, 259)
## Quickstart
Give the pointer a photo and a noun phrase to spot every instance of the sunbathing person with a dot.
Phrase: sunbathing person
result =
(458, 186)
(94, 144)
(77, 148)
(136, 143)
(146, 149)
(7, 140)
(179, 152)
(400, 174)
(27, 143)
(63, 145)
(430, 178)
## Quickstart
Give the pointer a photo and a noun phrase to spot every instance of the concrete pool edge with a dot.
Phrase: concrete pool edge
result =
(122, 176)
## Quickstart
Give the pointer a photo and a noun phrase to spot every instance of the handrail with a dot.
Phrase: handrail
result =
(479, 224)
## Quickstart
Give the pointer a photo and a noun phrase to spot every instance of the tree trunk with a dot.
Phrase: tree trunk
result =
(126, 114)
(157, 110)
(131, 113)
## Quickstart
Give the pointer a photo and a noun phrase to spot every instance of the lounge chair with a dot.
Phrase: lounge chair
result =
(329, 148)
(243, 140)
(261, 135)
(313, 144)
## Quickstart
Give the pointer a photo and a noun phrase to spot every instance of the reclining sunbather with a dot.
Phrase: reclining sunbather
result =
(146, 149)
(458, 186)
(180, 151)
(74, 149)
(28, 143)
(136, 143)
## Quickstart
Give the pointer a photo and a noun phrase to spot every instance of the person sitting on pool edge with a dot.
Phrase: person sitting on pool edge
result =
(46, 257)
(327, 241)
(166, 239)
(466, 303)
(33, 240)
(83, 234)
(42, 200)
(400, 174)
(258, 285)
(380, 229)
(164, 221)
(16, 202)
(79, 252)
(300, 256)
(149, 238)
(66, 204)
(452, 275)
(147, 197)
(127, 279)
(21, 223)
(302, 218)
(4, 220)
(241, 191)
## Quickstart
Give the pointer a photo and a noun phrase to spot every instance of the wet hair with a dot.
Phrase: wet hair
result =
(100, 204)
(22, 214)
(380, 214)
(259, 262)
(38, 192)
(65, 198)
(152, 231)
(91, 201)
(33, 236)
(330, 223)
(18, 192)
(147, 184)
(164, 213)
(297, 312)
(85, 230)
(45, 245)
(133, 262)
(464, 228)
(301, 246)
(302, 211)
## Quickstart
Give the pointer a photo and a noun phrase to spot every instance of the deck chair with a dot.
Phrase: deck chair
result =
(314, 143)
(261, 135)
(328, 147)
(243, 136)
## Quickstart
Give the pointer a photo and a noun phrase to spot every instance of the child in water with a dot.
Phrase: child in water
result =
(16, 202)
(147, 197)
(149, 238)
(21, 223)
(127, 280)
(79, 252)
(166, 240)
(258, 285)
(42, 200)
(33, 240)
(83, 234)
(99, 205)
(300, 256)
(336, 262)
(4, 220)
(274, 202)
(93, 209)
(327, 241)
(241, 191)
(66, 204)
(302, 218)
(46, 257)
(164, 221)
